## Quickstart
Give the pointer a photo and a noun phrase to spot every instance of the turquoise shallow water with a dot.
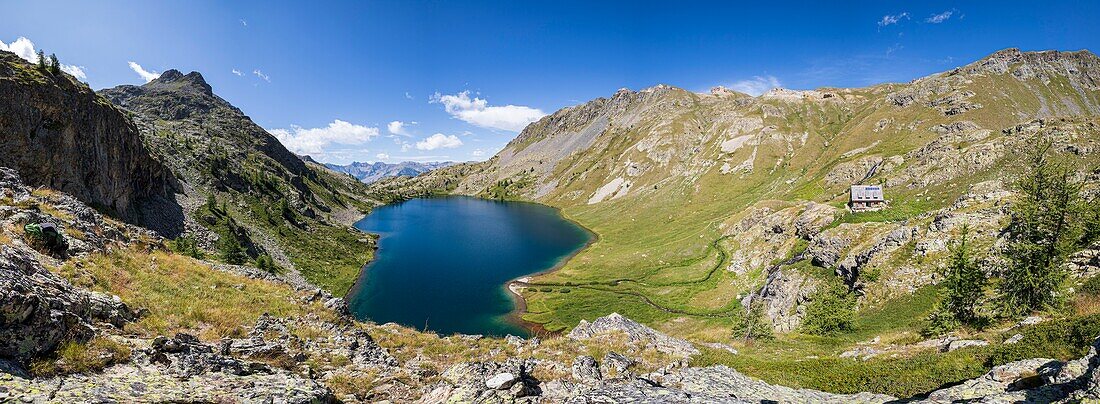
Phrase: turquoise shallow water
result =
(442, 262)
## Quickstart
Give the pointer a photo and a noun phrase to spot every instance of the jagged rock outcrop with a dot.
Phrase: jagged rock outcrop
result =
(39, 310)
(178, 369)
(784, 296)
(57, 133)
(615, 323)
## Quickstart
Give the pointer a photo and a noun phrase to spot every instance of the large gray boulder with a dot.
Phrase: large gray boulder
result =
(39, 310)
(635, 333)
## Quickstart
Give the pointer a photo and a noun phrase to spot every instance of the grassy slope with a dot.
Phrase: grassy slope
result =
(680, 219)
(657, 243)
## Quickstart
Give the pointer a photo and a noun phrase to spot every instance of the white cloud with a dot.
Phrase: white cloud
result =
(244, 23)
(24, 48)
(439, 141)
(382, 156)
(76, 71)
(408, 96)
(317, 140)
(892, 19)
(757, 85)
(261, 75)
(477, 153)
(941, 17)
(477, 111)
(399, 128)
(237, 72)
(405, 146)
(145, 74)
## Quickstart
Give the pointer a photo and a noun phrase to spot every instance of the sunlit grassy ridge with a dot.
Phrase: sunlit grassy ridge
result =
(680, 196)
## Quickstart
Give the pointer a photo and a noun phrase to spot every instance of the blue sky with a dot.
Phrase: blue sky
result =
(461, 78)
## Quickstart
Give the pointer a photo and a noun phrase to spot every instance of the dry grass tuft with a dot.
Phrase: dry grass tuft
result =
(74, 357)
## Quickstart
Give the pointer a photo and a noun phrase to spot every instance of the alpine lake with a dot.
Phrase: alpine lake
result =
(443, 262)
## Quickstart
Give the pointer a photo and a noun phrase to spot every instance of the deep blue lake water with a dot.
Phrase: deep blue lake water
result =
(442, 263)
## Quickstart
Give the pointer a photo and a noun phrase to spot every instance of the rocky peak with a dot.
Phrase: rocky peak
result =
(173, 79)
(623, 92)
(169, 76)
(1081, 64)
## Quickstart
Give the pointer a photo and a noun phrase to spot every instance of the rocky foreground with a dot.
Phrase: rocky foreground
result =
(326, 356)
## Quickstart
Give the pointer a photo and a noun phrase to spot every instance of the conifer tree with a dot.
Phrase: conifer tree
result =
(1045, 227)
(42, 61)
(963, 281)
(54, 65)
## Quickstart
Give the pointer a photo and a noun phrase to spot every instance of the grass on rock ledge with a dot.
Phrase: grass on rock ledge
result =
(183, 294)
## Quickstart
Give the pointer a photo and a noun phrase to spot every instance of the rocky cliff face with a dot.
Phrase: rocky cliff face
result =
(58, 133)
(275, 203)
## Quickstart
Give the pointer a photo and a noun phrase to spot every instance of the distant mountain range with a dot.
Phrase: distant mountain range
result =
(371, 172)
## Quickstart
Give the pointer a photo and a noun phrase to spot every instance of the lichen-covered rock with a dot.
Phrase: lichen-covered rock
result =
(616, 365)
(586, 370)
(784, 295)
(39, 310)
(635, 333)
(1010, 376)
(487, 382)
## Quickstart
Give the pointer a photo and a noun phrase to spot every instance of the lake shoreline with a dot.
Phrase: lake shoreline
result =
(515, 286)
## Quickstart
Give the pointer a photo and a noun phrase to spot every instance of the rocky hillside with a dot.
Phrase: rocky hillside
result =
(58, 133)
(95, 323)
(371, 172)
(239, 182)
(719, 214)
(679, 183)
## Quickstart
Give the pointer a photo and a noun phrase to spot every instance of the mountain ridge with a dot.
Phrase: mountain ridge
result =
(240, 182)
(371, 172)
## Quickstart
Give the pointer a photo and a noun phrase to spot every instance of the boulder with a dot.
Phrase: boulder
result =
(635, 333)
(39, 310)
(585, 370)
(502, 381)
(964, 343)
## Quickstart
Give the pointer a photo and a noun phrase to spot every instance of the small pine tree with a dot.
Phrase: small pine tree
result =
(187, 245)
(211, 203)
(265, 263)
(963, 281)
(55, 65)
(1045, 227)
(42, 62)
(831, 311)
(284, 210)
(753, 324)
(231, 250)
